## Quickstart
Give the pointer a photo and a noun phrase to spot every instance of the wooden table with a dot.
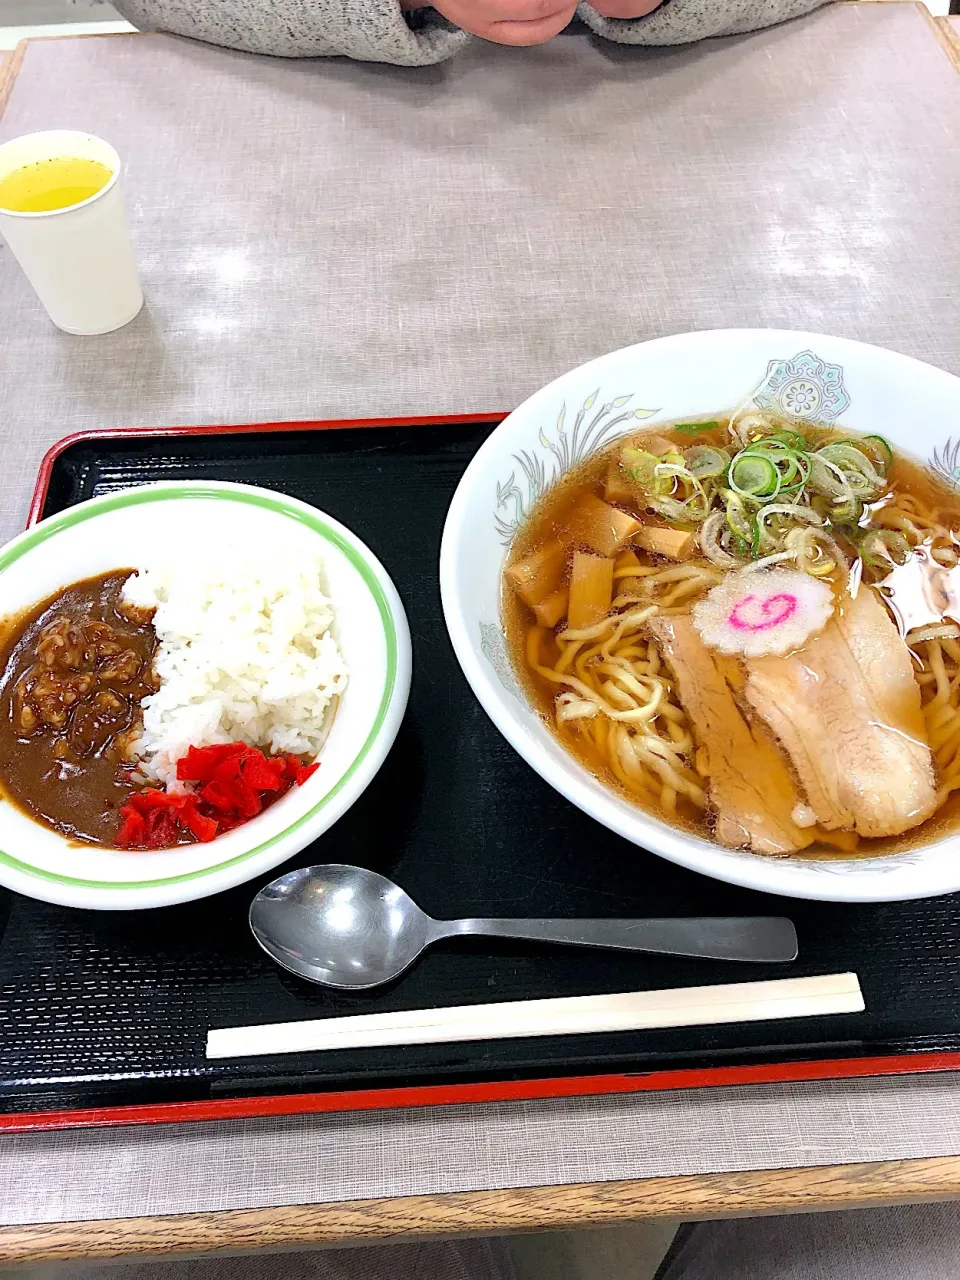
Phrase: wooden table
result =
(951, 34)
(56, 384)
(481, 1213)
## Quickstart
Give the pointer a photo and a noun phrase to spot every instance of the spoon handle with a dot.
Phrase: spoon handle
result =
(753, 938)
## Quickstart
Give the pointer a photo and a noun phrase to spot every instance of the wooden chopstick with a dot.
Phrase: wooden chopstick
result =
(567, 1015)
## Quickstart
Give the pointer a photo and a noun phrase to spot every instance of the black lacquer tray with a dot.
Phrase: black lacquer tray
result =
(104, 1016)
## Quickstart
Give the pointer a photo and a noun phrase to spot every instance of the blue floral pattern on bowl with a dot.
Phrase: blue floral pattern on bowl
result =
(804, 387)
(946, 462)
(841, 866)
(563, 448)
(493, 646)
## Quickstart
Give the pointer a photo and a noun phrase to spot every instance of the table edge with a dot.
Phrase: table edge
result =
(948, 32)
(9, 68)
(446, 1214)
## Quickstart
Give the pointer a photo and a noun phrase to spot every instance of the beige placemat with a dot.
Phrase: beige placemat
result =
(331, 239)
(191, 1168)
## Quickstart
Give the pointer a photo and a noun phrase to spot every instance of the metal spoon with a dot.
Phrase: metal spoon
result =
(350, 928)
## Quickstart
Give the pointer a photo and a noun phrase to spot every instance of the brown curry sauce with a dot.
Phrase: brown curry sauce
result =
(75, 670)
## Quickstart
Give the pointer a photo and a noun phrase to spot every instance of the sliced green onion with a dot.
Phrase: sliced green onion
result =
(882, 452)
(711, 538)
(792, 467)
(794, 471)
(666, 475)
(792, 439)
(808, 545)
(772, 443)
(846, 510)
(689, 510)
(683, 512)
(792, 509)
(780, 492)
(877, 450)
(706, 462)
(789, 510)
(882, 548)
(750, 426)
(739, 521)
(827, 478)
(752, 475)
(755, 538)
(846, 454)
(858, 469)
(639, 465)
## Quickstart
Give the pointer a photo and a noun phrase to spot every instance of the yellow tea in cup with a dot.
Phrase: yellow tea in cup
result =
(57, 183)
(63, 216)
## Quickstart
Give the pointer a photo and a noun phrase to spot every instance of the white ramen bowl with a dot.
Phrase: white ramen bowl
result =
(139, 528)
(690, 376)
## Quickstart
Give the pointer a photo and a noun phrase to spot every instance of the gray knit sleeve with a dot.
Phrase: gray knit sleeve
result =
(683, 21)
(371, 30)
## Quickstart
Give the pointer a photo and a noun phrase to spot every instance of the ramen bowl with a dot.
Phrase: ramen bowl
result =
(687, 377)
(153, 525)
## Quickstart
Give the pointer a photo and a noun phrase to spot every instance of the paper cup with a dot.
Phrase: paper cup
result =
(78, 259)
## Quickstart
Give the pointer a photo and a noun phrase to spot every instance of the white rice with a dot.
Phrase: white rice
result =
(246, 653)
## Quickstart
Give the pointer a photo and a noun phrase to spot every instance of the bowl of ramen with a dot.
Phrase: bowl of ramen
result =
(182, 707)
(709, 588)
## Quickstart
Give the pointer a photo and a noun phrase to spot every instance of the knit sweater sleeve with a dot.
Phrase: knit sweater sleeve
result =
(377, 30)
(683, 21)
(371, 30)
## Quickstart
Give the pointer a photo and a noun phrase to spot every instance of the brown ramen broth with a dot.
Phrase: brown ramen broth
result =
(76, 668)
(844, 741)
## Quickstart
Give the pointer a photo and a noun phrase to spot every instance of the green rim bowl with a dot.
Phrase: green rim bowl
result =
(137, 528)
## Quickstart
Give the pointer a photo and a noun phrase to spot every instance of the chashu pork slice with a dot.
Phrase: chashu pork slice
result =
(847, 710)
(751, 786)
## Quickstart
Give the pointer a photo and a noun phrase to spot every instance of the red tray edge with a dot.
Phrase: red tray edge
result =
(483, 1092)
(424, 1095)
(321, 424)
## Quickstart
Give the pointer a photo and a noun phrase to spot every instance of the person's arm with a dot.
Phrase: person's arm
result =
(371, 30)
(683, 21)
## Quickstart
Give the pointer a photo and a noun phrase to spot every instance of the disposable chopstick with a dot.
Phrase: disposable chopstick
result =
(567, 1015)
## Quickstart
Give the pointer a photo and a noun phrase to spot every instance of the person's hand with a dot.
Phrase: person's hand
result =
(523, 22)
